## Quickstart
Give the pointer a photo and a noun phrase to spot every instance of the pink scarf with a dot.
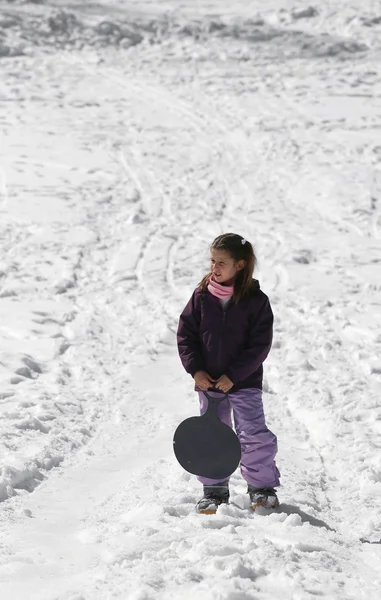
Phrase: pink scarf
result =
(221, 291)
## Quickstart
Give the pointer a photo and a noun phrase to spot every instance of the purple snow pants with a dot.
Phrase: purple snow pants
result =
(258, 443)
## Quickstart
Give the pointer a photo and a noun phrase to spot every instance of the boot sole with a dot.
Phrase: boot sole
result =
(209, 510)
(265, 505)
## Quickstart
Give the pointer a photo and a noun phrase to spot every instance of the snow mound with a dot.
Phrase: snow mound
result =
(290, 43)
(305, 13)
(8, 46)
(8, 50)
(61, 29)
(20, 31)
(371, 21)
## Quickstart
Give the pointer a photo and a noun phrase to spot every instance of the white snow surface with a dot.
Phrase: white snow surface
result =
(132, 133)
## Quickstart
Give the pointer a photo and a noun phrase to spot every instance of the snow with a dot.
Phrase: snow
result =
(133, 133)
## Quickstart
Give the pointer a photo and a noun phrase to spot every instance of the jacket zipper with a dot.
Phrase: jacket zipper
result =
(220, 341)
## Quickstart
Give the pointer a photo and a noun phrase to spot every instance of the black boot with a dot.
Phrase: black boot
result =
(214, 495)
(265, 497)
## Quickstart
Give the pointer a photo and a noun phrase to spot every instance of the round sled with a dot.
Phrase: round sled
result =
(205, 446)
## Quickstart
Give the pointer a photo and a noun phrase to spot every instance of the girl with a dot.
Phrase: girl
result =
(224, 335)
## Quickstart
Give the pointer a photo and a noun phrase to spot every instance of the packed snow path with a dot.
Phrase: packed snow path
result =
(119, 165)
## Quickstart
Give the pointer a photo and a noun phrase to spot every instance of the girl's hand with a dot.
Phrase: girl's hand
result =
(224, 383)
(203, 380)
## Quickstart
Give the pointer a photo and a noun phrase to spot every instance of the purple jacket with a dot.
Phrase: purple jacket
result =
(233, 342)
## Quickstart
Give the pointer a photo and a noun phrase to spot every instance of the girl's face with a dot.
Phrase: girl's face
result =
(223, 266)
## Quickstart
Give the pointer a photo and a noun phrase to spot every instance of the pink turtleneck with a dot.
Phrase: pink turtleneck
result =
(223, 292)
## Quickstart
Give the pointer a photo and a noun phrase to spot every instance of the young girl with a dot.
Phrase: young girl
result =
(224, 335)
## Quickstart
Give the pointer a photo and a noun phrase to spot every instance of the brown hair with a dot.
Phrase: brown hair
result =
(239, 249)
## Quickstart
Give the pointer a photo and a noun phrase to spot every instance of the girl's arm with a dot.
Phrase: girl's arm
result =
(188, 340)
(261, 335)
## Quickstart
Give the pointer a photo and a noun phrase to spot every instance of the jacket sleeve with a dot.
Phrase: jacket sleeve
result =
(260, 339)
(188, 338)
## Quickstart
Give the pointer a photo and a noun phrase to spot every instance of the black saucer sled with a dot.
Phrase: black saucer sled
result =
(205, 446)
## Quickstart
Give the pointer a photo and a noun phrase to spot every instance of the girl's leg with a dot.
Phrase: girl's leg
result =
(224, 414)
(258, 443)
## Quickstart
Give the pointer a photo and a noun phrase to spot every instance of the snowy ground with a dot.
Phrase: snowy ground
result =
(132, 134)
